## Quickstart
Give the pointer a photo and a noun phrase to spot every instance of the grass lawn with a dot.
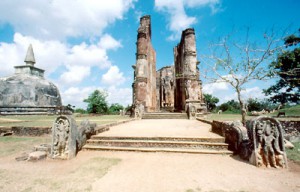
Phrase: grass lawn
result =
(294, 154)
(47, 120)
(12, 144)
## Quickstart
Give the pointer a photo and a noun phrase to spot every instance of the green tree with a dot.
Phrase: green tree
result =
(115, 108)
(97, 102)
(287, 68)
(80, 110)
(230, 106)
(211, 101)
(258, 105)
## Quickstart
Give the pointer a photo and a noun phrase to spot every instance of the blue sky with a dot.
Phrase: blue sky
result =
(87, 44)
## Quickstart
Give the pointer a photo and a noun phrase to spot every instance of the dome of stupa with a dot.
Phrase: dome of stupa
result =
(28, 87)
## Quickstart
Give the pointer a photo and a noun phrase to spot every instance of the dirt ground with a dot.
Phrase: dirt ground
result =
(134, 171)
(106, 171)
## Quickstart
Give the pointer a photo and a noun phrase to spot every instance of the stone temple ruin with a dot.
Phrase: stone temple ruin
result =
(27, 91)
(173, 88)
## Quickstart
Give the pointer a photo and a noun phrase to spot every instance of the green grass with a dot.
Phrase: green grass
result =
(291, 111)
(47, 121)
(226, 117)
(294, 154)
(229, 116)
(12, 145)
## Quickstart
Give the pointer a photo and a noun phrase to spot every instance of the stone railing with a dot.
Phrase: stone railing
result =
(261, 141)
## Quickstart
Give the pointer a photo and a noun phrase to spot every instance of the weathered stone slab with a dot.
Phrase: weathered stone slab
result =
(37, 155)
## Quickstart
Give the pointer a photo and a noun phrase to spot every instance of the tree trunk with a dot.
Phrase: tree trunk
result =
(242, 106)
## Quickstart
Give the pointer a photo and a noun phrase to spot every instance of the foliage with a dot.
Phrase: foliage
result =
(211, 101)
(97, 102)
(115, 108)
(293, 154)
(80, 110)
(287, 68)
(238, 62)
(258, 105)
(230, 106)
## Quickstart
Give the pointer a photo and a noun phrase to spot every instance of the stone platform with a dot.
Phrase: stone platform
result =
(160, 135)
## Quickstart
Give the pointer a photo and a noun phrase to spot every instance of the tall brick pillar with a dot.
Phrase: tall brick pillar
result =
(144, 86)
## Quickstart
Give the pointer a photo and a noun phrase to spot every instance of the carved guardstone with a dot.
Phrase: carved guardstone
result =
(63, 138)
(67, 138)
(268, 143)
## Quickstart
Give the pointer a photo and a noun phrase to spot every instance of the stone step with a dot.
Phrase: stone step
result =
(165, 116)
(159, 144)
(195, 139)
(171, 150)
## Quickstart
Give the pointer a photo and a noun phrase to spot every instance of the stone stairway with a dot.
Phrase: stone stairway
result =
(158, 144)
(166, 115)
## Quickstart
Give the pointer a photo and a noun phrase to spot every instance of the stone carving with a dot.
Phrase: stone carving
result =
(67, 138)
(194, 108)
(63, 145)
(168, 92)
(268, 143)
(138, 111)
(192, 92)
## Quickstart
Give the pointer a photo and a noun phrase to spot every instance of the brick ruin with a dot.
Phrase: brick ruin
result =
(144, 86)
(171, 88)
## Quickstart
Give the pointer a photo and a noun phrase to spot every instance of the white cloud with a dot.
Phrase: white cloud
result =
(113, 77)
(75, 74)
(61, 18)
(225, 92)
(76, 95)
(178, 19)
(108, 42)
(122, 96)
(214, 88)
(252, 92)
(76, 60)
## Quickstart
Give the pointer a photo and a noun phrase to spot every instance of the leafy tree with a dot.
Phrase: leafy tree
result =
(80, 110)
(238, 62)
(287, 68)
(97, 102)
(254, 105)
(258, 105)
(115, 108)
(211, 101)
(230, 106)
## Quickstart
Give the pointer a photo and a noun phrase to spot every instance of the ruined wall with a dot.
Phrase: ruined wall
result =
(144, 86)
(188, 86)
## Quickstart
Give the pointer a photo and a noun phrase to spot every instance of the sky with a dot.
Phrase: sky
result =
(90, 44)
